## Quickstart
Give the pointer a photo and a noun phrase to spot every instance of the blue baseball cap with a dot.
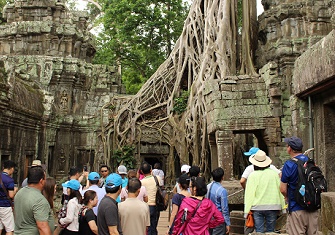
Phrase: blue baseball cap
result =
(113, 180)
(294, 142)
(93, 176)
(252, 151)
(72, 184)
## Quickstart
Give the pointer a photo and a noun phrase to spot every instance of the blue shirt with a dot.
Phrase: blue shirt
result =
(290, 176)
(8, 183)
(219, 196)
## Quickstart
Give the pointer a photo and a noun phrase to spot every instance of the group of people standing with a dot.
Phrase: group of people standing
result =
(125, 202)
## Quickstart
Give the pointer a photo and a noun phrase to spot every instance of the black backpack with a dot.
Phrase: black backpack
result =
(309, 175)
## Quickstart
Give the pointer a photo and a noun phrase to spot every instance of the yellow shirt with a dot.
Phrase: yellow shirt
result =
(150, 185)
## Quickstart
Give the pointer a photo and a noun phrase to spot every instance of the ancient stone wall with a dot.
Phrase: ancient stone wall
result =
(53, 100)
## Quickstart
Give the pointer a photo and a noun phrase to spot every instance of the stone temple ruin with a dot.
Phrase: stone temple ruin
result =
(56, 106)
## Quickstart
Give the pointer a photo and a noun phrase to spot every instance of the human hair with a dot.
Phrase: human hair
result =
(134, 184)
(132, 174)
(258, 168)
(102, 166)
(93, 182)
(89, 195)
(145, 168)
(194, 171)
(74, 170)
(112, 190)
(200, 184)
(217, 174)
(49, 190)
(35, 174)
(75, 193)
(157, 165)
(9, 164)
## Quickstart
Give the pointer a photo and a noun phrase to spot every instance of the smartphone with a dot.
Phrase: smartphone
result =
(85, 168)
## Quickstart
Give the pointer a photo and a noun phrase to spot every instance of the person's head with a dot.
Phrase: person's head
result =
(93, 177)
(184, 181)
(217, 174)
(194, 171)
(36, 175)
(122, 171)
(146, 168)
(260, 160)
(74, 172)
(157, 165)
(134, 185)
(49, 190)
(252, 151)
(294, 145)
(104, 171)
(9, 166)
(73, 187)
(132, 174)
(185, 169)
(113, 183)
(198, 186)
(90, 197)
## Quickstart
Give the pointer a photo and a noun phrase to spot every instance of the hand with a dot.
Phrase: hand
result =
(227, 229)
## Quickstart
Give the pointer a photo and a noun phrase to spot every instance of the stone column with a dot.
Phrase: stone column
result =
(214, 151)
(224, 142)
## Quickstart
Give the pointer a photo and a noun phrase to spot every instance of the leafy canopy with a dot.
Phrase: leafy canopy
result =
(138, 35)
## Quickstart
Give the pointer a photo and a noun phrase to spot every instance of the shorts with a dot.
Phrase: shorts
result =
(7, 219)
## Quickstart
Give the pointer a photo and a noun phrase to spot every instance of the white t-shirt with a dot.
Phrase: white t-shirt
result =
(160, 173)
(250, 169)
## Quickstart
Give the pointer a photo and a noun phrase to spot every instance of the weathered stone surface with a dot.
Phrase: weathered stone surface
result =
(315, 65)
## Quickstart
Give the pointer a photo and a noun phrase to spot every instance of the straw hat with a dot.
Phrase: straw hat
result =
(260, 159)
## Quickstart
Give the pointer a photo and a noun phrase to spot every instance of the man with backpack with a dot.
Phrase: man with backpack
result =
(301, 219)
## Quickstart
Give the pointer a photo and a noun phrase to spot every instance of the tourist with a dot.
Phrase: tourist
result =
(93, 181)
(48, 192)
(6, 196)
(184, 170)
(104, 172)
(74, 174)
(73, 207)
(87, 218)
(32, 209)
(108, 216)
(157, 171)
(34, 163)
(134, 213)
(150, 185)
(184, 183)
(219, 196)
(197, 213)
(262, 195)
(299, 221)
(249, 169)
(143, 195)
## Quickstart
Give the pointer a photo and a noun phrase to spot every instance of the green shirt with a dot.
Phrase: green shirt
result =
(30, 206)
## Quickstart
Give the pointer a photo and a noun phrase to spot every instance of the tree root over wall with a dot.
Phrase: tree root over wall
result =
(206, 50)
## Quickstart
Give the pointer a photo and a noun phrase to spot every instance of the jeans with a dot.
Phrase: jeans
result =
(219, 230)
(265, 218)
(152, 230)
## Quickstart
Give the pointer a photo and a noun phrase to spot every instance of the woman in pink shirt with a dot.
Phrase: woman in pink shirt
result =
(197, 214)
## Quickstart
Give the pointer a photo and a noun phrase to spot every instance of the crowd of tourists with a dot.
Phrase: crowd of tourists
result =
(125, 202)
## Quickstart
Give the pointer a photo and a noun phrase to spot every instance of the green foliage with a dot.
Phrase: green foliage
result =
(180, 103)
(138, 35)
(124, 156)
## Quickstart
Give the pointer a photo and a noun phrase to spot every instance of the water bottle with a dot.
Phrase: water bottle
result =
(302, 190)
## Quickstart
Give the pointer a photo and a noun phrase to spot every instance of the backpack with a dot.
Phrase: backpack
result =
(62, 214)
(311, 183)
(161, 202)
